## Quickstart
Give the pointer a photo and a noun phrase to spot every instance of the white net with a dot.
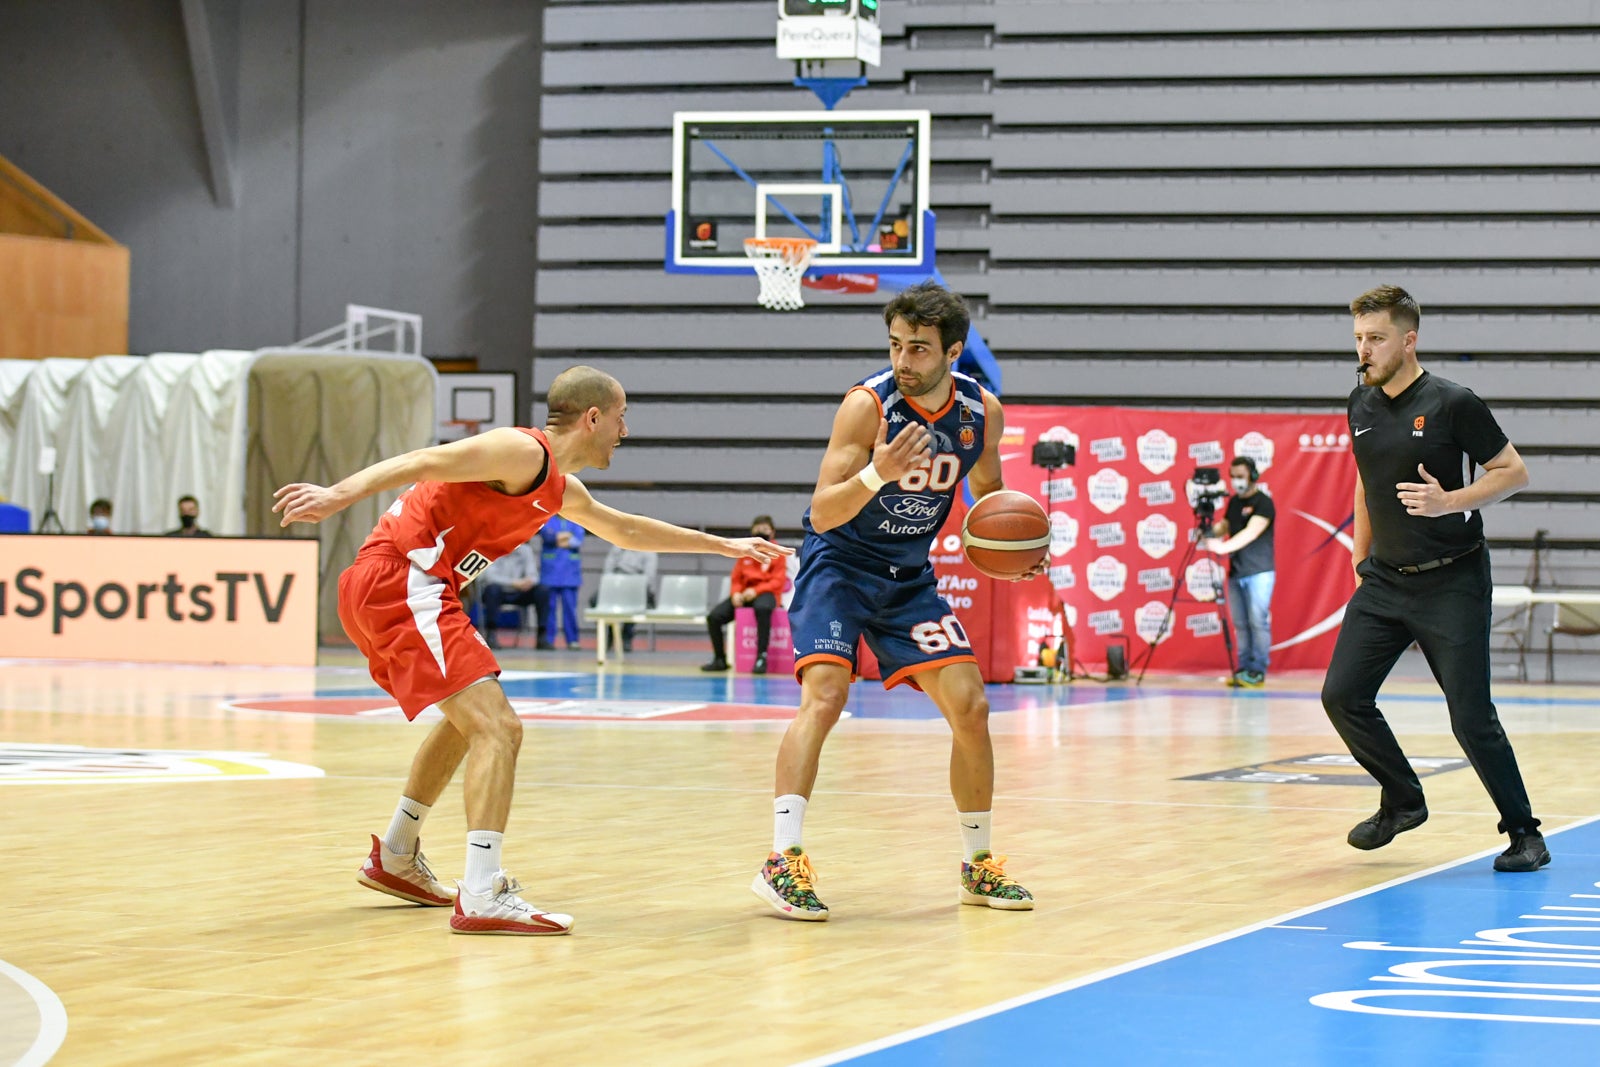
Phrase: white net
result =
(780, 263)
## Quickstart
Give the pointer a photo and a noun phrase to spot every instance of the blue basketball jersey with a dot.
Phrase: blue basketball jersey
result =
(897, 526)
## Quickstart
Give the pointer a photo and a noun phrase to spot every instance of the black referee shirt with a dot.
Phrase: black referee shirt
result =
(1443, 426)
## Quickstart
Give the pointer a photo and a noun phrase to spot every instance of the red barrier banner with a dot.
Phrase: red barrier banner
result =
(1122, 520)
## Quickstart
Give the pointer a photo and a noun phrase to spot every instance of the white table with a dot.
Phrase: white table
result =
(1517, 621)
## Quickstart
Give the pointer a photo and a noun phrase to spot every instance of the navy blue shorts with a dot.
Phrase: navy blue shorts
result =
(840, 599)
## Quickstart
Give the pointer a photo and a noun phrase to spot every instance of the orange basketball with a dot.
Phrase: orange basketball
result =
(1006, 534)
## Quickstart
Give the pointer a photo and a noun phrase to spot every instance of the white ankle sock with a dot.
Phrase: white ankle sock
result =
(405, 827)
(974, 832)
(788, 817)
(483, 859)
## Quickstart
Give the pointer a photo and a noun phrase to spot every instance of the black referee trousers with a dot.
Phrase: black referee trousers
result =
(1446, 612)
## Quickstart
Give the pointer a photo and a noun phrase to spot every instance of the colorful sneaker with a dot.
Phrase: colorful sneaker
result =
(785, 882)
(406, 877)
(984, 882)
(501, 911)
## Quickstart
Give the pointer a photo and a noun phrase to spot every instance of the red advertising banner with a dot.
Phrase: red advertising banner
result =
(1123, 520)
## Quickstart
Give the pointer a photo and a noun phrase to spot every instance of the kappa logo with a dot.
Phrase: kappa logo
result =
(896, 417)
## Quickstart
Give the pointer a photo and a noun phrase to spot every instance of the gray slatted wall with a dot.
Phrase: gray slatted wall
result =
(1164, 201)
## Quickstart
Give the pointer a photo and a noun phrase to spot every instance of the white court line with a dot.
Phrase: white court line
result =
(52, 1017)
(1160, 957)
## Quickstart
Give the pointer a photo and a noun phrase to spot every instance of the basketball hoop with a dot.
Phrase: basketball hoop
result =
(780, 263)
(467, 427)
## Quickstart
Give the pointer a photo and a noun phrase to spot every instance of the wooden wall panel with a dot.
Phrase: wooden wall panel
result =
(62, 298)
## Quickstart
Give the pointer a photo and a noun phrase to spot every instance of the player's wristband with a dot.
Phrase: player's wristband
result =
(871, 478)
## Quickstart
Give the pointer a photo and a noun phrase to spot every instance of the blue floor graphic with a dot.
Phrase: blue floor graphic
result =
(1459, 965)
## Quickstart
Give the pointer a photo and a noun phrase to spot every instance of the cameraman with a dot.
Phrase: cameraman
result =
(1250, 573)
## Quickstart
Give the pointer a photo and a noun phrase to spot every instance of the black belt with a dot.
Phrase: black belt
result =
(1435, 564)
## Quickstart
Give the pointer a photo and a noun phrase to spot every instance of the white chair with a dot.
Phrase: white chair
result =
(1575, 620)
(682, 603)
(622, 598)
(1515, 621)
(683, 596)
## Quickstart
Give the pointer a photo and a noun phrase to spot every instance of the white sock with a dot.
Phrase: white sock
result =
(483, 859)
(405, 827)
(788, 816)
(974, 832)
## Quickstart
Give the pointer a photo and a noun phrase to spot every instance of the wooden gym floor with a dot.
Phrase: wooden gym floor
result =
(186, 892)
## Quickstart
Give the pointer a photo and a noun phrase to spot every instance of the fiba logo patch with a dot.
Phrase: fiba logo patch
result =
(1107, 577)
(1157, 534)
(1158, 450)
(1108, 490)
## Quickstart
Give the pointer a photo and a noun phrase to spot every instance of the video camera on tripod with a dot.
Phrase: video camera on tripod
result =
(1205, 489)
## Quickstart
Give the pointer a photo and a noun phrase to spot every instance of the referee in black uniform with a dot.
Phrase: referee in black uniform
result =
(1422, 573)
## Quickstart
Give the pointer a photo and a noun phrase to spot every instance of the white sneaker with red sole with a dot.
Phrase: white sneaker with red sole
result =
(501, 911)
(406, 877)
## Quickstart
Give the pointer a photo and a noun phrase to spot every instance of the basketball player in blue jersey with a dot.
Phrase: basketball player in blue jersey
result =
(902, 441)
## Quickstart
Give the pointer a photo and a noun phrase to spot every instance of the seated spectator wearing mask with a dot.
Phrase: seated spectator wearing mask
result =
(100, 517)
(188, 519)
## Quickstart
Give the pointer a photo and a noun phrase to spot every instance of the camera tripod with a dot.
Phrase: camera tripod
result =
(1219, 598)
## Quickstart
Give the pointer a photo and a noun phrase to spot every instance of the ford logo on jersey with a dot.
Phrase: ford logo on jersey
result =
(914, 507)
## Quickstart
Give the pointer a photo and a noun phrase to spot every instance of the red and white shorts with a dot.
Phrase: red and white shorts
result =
(420, 645)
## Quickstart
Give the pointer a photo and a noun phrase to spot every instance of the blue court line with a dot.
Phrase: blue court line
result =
(868, 700)
(1454, 965)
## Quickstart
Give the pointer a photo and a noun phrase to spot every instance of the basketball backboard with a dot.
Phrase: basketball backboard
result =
(854, 182)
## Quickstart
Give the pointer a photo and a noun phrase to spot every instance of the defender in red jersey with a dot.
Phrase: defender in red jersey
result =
(470, 502)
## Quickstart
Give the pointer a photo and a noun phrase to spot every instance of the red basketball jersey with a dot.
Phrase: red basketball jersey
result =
(453, 530)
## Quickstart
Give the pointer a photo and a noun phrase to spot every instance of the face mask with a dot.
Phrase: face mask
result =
(188, 521)
(99, 522)
(1241, 484)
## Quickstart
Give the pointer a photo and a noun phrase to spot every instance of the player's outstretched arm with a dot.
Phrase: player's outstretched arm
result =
(642, 533)
(503, 455)
(860, 459)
